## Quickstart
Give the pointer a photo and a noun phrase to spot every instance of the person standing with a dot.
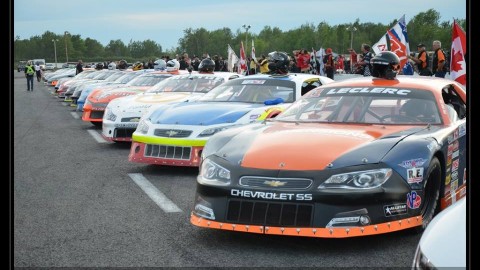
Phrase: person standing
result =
(29, 72)
(438, 63)
(38, 71)
(329, 64)
(79, 67)
(264, 65)
(366, 56)
(422, 61)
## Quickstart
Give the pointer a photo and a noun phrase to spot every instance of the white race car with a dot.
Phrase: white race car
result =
(123, 114)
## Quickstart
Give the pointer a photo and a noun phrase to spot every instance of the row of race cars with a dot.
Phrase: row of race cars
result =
(292, 154)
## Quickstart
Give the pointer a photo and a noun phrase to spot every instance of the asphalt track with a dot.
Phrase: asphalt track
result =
(78, 202)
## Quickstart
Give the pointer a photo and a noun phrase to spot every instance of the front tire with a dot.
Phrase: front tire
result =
(431, 187)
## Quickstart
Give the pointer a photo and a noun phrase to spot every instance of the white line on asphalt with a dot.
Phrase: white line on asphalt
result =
(97, 136)
(156, 195)
(75, 115)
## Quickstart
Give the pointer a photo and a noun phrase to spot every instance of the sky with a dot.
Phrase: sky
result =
(165, 21)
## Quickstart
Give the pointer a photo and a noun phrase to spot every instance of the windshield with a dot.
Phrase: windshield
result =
(252, 91)
(126, 77)
(187, 83)
(148, 79)
(416, 107)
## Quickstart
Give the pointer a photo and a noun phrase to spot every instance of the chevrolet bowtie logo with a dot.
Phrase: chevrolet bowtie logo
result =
(171, 133)
(274, 183)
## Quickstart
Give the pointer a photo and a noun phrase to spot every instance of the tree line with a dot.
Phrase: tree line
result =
(422, 28)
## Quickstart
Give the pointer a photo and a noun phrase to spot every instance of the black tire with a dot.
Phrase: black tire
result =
(97, 124)
(431, 186)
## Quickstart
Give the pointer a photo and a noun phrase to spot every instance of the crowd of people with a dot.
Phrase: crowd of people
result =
(301, 61)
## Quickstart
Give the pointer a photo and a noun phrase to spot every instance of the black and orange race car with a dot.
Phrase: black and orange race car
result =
(358, 157)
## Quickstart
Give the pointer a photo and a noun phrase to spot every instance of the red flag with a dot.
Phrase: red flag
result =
(243, 59)
(397, 47)
(457, 55)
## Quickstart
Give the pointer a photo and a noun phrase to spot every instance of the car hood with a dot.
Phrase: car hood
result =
(107, 95)
(147, 100)
(291, 146)
(201, 113)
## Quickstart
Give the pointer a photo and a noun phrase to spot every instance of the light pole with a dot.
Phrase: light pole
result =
(65, 37)
(351, 29)
(55, 49)
(246, 36)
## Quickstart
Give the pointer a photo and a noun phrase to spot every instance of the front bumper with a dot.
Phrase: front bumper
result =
(287, 202)
(117, 131)
(170, 155)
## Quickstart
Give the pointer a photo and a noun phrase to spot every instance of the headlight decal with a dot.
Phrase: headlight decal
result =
(358, 180)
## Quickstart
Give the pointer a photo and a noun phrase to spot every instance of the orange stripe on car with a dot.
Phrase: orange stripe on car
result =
(342, 232)
(264, 151)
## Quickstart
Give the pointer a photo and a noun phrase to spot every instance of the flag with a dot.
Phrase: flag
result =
(381, 45)
(232, 58)
(397, 47)
(399, 30)
(253, 52)
(313, 62)
(457, 55)
(242, 65)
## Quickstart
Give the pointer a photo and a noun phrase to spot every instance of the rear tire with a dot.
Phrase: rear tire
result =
(431, 186)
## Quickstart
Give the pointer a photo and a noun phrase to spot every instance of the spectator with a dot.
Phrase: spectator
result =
(366, 56)
(438, 63)
(421, 61)
(79, 67)
(329, 64)
(264, 65)
(38, 71)
(29, 72)
(353, 61)
(252, 65)
(195, 63)
(303, 61)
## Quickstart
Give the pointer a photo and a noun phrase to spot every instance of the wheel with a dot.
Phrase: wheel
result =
(97, 124)
(431, 187)
(398, 118)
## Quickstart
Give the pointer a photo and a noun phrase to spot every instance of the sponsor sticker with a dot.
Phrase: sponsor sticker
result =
(447, 179)
(378, 90)
(415, 175)
(413, 200)
(412, 163)
(271, 195)
(127, 125)
(450, 138)
(455, 164)
(254, 116)
(454, 175)
(395, 209)
(454, 186)
(447, 190)
(455, 146)
(455, 154)
(462, 130)
(455, 134)
(450, 149)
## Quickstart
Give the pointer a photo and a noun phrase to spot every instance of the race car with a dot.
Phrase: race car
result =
(98, 99)
(175, 134)
(359, 157)
(123, 114)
